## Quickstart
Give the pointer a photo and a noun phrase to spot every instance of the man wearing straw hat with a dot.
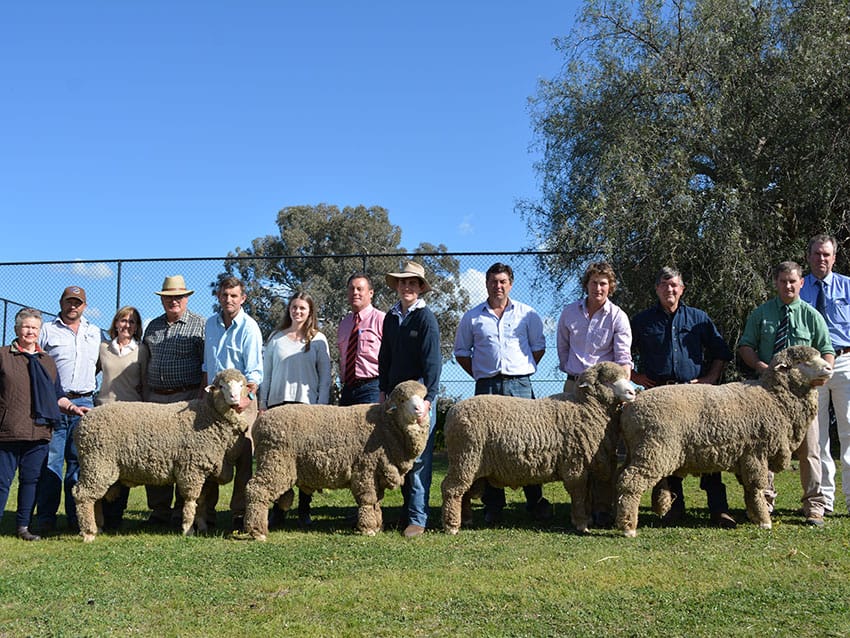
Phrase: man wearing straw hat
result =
(175, 340)
(410, 350)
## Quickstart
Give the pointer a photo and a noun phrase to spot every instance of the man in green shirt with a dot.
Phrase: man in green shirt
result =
(786, 321)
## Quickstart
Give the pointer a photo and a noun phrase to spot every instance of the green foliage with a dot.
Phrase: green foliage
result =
(709, 135)
(522, 579)
(319, 247)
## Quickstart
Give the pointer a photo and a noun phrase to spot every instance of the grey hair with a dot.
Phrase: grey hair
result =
(822, 238)
(27, 313)
(668, 272)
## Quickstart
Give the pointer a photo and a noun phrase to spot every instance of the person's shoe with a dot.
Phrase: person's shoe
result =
(277, 518)
(673, 515)
(304, 520)
(26, 535)
(492, 517)
(723, 520)
(814, 521)
(412, 531)
(237, 524)
(603, 520)
(543, 510)
(157, 521)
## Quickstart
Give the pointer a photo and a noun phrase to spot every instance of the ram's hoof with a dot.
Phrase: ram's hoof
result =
(630, 533)
(87, 538)
(767, 525)
(451, 530)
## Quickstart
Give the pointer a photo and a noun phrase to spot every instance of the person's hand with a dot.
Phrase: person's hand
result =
(423, 412)
(642, 379)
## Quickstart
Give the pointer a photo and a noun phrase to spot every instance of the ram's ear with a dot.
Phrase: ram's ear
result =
(782, 366)
(209, 388)
(392, 407)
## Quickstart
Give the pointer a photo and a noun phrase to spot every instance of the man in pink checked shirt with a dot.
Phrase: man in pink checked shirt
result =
(358, 351)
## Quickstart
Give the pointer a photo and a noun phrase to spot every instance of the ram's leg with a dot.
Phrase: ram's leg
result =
(753, 478)
(632, 483)
(454, 489)
(192, 515)
(579, 496)
(275, 476)
(90, 489)
(368, 508)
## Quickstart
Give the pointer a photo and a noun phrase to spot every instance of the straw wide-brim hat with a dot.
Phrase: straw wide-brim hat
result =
(174, 286)
(411, 269)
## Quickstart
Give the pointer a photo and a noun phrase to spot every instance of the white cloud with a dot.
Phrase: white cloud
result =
(474, 283)
(465, 227)
(92, 270)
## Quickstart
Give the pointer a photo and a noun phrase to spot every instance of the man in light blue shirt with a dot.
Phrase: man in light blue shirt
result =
(74, 344)
(499, 344)
(829, 293)
(232, 339)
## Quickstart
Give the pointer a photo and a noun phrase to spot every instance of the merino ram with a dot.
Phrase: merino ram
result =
(510, 441)
(747, 428)
(367, 448)
(139, 443)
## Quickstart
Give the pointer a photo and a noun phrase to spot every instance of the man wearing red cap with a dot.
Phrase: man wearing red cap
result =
(74, 344)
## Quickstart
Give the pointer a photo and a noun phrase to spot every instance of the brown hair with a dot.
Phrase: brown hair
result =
(604, 269)
(311, 326)
(126, 310)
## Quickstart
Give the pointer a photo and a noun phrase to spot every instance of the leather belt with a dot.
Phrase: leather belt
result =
(841, 351)
(359, 382)
(185, 388)
(78, 395)
(572, 377)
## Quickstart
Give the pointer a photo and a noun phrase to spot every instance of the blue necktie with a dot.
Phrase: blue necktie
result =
(820, 302)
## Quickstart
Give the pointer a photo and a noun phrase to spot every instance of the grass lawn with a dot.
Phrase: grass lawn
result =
(522, 579)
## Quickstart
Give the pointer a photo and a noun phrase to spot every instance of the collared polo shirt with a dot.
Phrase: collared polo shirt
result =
(806, 327)
(584, 340)
(676, 347)
(836, 292)
(239, 346)
(500, 345)
(75, 353)
(370, 333)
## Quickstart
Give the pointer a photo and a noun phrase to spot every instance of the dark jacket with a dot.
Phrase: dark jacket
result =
(411, 351)
(17, 421)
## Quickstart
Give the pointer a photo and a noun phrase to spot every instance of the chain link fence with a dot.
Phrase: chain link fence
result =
(111, 284)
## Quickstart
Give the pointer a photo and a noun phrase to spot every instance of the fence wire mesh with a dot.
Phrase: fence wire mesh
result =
(111, 284)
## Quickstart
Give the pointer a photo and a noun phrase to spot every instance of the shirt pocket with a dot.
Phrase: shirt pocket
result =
(842, 310)
(801, 335)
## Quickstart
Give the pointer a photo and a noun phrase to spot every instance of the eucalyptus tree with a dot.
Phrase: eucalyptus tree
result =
(318, 247)
(710, 135)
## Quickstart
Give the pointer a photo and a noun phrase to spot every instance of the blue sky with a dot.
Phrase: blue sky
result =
(171, 129)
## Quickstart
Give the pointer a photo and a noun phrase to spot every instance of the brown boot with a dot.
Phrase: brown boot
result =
(25, 534)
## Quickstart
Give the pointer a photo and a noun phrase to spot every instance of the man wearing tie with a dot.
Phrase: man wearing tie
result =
(359, 341)
(829, 293)
(781, 322)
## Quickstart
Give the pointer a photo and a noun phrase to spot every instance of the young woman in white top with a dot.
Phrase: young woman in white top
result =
(296, 369)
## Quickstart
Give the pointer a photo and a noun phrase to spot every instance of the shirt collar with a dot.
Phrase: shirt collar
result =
(396, 309)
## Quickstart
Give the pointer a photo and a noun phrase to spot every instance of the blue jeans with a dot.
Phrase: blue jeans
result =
(25, 457)
(494, 497)
(366, 393)
(417, 484)
(62, 452)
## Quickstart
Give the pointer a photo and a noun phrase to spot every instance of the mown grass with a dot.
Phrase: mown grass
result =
(522, 579)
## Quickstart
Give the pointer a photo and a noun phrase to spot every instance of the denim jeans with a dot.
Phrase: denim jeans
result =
(417, 484)
(494, 497)
(27, 458)
(366, 393)
(61, 453)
